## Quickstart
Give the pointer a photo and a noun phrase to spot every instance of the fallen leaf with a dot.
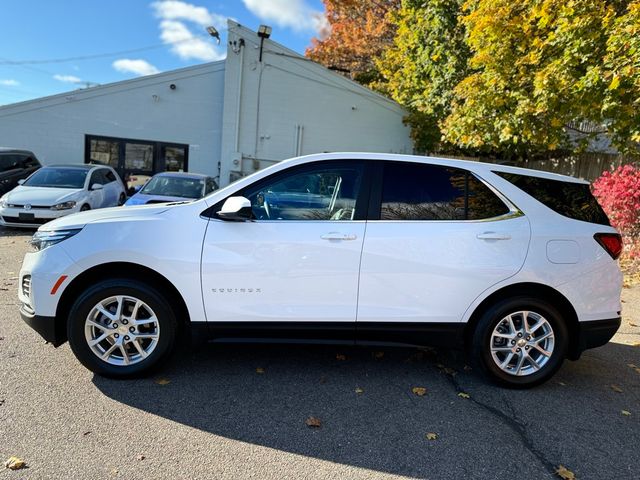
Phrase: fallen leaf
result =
(564, 473)
(14, 463)
(616, 388)
(340, 356)
(464, 395)
(86, 433)
(359, 390)
(634, 324)
(637, 369)
(140, 457)
(378, 355)
(419, 391)
(431, 436)
(162, 381)
(632, 365)
(562, 383)
(626, 413)
(313, 422)
(259, 370)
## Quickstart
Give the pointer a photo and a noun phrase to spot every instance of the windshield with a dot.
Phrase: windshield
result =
(174, 187)
(58, 178)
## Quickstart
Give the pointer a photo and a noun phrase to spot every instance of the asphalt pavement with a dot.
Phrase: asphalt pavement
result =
(240, 411)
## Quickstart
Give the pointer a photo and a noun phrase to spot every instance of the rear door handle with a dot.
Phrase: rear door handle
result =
(338, 236)
(493, 236)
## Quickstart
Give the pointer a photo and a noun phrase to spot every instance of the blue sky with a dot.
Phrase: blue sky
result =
(47, 29)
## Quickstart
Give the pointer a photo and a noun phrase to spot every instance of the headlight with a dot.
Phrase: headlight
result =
(3, 202)
(64, 206)
(42, 240)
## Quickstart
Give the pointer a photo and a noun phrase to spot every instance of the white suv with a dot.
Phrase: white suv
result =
(518, 266)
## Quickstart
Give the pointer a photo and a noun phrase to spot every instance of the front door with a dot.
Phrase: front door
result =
(296, 265)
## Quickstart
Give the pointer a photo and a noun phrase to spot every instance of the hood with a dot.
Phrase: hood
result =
(79, 220)
(42, 196)
(143, 199)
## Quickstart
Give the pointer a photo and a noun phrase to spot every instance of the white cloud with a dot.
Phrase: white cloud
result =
(67, 78)
(295, 14)
(137, 67)
(9, 82)
(174, 31)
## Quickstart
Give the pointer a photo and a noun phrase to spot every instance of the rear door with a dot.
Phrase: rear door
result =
(436, 239)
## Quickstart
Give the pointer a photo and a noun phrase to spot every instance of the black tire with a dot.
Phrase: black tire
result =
(85, 207)
(113, 287)
(481, 341)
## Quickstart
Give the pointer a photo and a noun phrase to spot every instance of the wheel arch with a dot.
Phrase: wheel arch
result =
(127, 270)
(536, 290)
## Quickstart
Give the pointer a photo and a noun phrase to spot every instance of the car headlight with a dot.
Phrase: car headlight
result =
(64, 206)
(42, 240)
(3, 202)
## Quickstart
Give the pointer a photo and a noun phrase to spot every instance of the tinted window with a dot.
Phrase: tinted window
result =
(10, 161)
(322, 193)
(99, 176)
(573, 200)
(110, 176)
(58, 177)
(174, 187)
(415, 191)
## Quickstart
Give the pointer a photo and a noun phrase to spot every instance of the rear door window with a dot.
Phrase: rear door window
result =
(418, 191)
(10, 161)
(573, 200)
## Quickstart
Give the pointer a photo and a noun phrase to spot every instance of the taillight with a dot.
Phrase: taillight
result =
(611, 242)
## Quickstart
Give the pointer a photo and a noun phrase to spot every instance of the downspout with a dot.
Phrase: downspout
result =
(239, 101)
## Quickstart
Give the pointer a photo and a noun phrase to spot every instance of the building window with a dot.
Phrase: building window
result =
(132, 157)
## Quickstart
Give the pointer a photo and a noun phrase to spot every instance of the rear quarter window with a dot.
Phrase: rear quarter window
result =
(572, 200)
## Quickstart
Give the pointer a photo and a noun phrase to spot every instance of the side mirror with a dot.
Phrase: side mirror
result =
(236, 209)
(97, 186)
(21, 181)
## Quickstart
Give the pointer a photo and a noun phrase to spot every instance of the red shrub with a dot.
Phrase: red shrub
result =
(619, 194)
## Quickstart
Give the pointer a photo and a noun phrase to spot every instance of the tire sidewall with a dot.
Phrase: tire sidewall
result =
(108, 288)
(482, 337)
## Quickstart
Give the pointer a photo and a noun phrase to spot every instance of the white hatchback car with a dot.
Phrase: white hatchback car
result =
(517, 266)
(58, 190)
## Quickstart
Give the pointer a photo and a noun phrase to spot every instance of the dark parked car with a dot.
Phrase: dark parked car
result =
(15, 165)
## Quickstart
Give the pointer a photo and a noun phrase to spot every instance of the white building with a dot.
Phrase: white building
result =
(226, 118)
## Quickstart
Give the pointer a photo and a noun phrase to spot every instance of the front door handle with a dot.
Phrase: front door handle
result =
(493, 236)
(338, 236)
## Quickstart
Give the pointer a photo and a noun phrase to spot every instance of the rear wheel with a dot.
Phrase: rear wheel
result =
(85, 207)
(520, 342)
(121, 328)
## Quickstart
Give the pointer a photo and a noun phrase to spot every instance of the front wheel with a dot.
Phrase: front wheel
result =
(121, 328)
(520, 342)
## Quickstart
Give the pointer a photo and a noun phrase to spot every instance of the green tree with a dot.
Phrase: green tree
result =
(622, 75)
(427, 60)
(536, 75)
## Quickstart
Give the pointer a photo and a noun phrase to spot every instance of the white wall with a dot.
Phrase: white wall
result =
(287, 91)
(54, 127)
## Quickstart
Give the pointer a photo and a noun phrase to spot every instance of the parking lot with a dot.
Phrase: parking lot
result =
(239, 411)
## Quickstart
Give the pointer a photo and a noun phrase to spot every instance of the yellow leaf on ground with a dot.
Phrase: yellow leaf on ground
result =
(616, 388)
(313, 422)
(14, 463)
(359, 390)
(419, 391)
(431, 436)
(634, 324)
(259, 370)
(162, 381)
(564, 473)
(632, 365)
(626, 413)
(340, 356)
(464, 395)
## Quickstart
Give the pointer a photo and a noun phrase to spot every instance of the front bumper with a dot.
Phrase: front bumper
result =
(45, 326)
(11, 217)
(596, 333)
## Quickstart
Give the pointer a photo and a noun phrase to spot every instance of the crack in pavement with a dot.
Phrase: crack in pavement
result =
(516, 426)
